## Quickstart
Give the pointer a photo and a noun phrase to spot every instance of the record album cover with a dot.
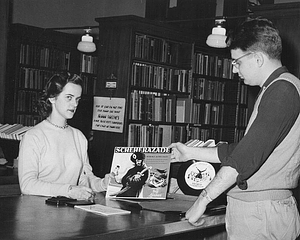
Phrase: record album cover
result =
(139, 172)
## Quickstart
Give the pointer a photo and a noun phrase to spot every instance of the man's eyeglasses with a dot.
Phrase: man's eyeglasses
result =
(235, 61)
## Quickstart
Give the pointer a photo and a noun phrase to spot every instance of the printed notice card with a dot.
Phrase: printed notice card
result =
(102, 210)
(139, 172)
(108, 114)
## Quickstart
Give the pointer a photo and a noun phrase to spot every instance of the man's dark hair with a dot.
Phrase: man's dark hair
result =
(257, 35)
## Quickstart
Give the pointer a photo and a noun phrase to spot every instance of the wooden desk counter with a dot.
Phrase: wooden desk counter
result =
(28, 217)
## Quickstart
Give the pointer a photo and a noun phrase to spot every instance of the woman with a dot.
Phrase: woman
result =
(53, 158)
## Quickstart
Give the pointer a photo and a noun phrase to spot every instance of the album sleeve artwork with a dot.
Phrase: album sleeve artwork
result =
(139, 172)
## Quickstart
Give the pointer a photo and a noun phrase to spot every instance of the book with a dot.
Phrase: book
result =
(139, 173)
(166, 135)
(102, 210)
(184, 110)
(13, 128)
(6, 129)
(18, 134)
(4, 126)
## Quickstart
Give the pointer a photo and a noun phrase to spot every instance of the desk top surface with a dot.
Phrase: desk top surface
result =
(28, 217)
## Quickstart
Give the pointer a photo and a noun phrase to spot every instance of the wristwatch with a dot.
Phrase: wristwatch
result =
(204, 194)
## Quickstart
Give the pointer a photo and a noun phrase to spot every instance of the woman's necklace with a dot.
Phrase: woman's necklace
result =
(61, 127)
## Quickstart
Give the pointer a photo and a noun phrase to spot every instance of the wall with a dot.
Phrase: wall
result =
(4, 18)
(72, 13)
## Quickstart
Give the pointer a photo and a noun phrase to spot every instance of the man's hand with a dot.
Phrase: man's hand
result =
(193, 215)
(180, 152)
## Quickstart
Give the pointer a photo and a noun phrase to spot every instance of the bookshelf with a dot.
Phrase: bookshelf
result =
(88, 72)
(34, 55)
(151, 62)
(219, 98)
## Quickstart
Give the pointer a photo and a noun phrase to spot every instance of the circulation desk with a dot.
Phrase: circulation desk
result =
(28, 217)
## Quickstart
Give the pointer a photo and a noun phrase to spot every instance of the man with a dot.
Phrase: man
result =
(259, 171)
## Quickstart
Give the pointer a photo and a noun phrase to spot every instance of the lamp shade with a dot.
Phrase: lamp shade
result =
(86, 44)
(217, 38)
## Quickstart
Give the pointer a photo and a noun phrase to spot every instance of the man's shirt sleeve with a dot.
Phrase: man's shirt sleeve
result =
(277, 112)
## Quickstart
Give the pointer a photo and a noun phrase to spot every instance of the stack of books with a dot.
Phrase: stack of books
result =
(13, 131)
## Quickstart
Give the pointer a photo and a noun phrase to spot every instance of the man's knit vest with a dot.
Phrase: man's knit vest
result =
(281, 170)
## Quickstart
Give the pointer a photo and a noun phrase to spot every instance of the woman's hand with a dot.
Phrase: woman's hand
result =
(80, 192)
(106, 179)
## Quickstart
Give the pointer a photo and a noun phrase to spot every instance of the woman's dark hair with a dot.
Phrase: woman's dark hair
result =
(257, 35)
(53, 88)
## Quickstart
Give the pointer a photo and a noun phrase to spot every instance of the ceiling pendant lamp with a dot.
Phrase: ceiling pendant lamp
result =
(217, 38)
(87, 44)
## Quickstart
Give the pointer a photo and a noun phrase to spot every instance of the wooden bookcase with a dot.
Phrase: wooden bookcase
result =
(154, 66)
(220, 99)
(34, 55)
(87, 70)
(151, 62)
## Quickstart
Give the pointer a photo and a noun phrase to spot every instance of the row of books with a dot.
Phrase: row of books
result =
(33, 78)
(89, 84)
(213, 65)
(88, 63)
(28, 120)
(204, 133)
(208, 113)
(155, 135)
(232, 92)
(27, 101)
(156, 49)
(244, 94)
(40, 56)
(206, 89)
(212, 114)
(219, 134)
(150, 106)
(152, 76)
(13, 131)
(243, 117)
(164, 135)
(239, 134)
(214, 90)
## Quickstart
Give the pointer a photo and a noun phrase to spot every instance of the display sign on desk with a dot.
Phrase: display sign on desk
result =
(108, 114)
(139, 173)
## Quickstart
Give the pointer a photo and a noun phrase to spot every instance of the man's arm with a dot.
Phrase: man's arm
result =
(183, 153)
(224, 179)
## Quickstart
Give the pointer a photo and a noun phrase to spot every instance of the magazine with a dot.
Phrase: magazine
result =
(139, 172)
